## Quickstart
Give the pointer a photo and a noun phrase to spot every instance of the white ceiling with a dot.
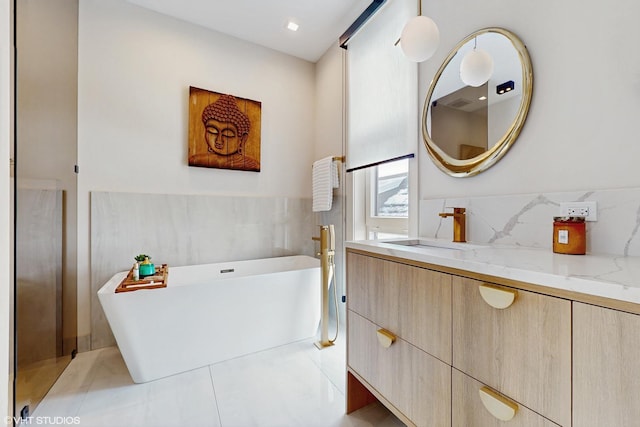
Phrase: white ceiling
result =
(264, 22)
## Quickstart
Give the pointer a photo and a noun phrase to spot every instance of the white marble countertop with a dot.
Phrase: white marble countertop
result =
(615, 277)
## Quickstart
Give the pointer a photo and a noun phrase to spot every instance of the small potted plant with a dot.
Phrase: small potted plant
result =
(146, 266)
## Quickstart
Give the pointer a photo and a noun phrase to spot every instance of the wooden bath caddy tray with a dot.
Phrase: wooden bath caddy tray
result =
(158, 280)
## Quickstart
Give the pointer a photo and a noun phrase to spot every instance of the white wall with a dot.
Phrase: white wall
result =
(329, 110)
(582, 131)
(329, 142)
(5, 204)
(134, 72)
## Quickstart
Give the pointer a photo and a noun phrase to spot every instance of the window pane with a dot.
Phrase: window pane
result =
(392, 190)
(376, 235)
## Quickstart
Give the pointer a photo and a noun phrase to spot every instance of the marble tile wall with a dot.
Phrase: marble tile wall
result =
(527, 219)
(186, 230)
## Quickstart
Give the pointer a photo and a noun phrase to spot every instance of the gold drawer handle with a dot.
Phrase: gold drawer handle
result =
(497, 405)
(385, 338)
(496, 296)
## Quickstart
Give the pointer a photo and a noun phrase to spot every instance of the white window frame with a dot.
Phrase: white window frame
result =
(377, 227)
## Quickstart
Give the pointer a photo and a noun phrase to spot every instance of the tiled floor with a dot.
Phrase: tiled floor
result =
(293, 385)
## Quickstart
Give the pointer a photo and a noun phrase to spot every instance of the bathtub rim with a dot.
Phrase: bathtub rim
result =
(309, 263)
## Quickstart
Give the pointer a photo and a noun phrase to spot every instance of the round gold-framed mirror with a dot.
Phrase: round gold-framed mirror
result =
(467, 129)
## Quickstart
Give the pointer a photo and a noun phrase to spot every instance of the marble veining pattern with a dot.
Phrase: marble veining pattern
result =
(526, 220)
(633, 233)
(188, 230)
(514, 220)
(609, 276)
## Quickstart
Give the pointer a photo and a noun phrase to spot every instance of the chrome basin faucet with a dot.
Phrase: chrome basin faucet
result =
(459, 223)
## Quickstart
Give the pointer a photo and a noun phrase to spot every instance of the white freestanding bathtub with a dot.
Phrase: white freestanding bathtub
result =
(213, 312)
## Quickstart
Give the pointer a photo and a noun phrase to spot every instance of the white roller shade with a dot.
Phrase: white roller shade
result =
(382, 89)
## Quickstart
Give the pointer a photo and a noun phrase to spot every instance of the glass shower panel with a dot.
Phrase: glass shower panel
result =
(46, 83)
(38, 311)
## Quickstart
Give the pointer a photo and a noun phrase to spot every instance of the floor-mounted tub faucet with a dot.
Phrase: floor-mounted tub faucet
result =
(327, 241)
(459, 223)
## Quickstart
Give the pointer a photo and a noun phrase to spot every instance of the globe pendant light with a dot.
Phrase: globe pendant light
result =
(476, 67)
(420, 37)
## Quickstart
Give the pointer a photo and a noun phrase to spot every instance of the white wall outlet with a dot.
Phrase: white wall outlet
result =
(589, 210)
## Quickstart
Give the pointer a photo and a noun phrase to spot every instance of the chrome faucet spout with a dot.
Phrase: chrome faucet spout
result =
(459, 223)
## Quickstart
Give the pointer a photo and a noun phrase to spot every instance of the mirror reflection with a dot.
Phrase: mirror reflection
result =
(466, 129)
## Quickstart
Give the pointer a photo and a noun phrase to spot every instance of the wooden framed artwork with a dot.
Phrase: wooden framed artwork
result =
(224, 131)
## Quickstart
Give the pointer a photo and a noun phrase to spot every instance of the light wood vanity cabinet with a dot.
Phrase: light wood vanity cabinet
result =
(468, 409)
(413, 375)
(562, 362)
(522, 351)
(606, 367)
(413, 303)
(415, 383)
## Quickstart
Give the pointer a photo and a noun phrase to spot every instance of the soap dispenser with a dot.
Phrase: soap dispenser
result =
(136, 272)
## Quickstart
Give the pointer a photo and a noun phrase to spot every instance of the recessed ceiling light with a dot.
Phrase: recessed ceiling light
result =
(482, 98)
(292, 26)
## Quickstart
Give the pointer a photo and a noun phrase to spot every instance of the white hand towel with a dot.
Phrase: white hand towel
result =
(335, 182)
(324, 181)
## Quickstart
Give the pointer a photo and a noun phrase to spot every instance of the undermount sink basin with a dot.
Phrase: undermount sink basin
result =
(440, 244)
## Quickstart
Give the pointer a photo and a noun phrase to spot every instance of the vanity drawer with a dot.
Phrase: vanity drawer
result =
(606, 367)
(522, 350)
(414, 303)
(415, 383)
(469, 410)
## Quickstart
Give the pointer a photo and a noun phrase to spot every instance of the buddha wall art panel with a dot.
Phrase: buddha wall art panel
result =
(224, 131)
